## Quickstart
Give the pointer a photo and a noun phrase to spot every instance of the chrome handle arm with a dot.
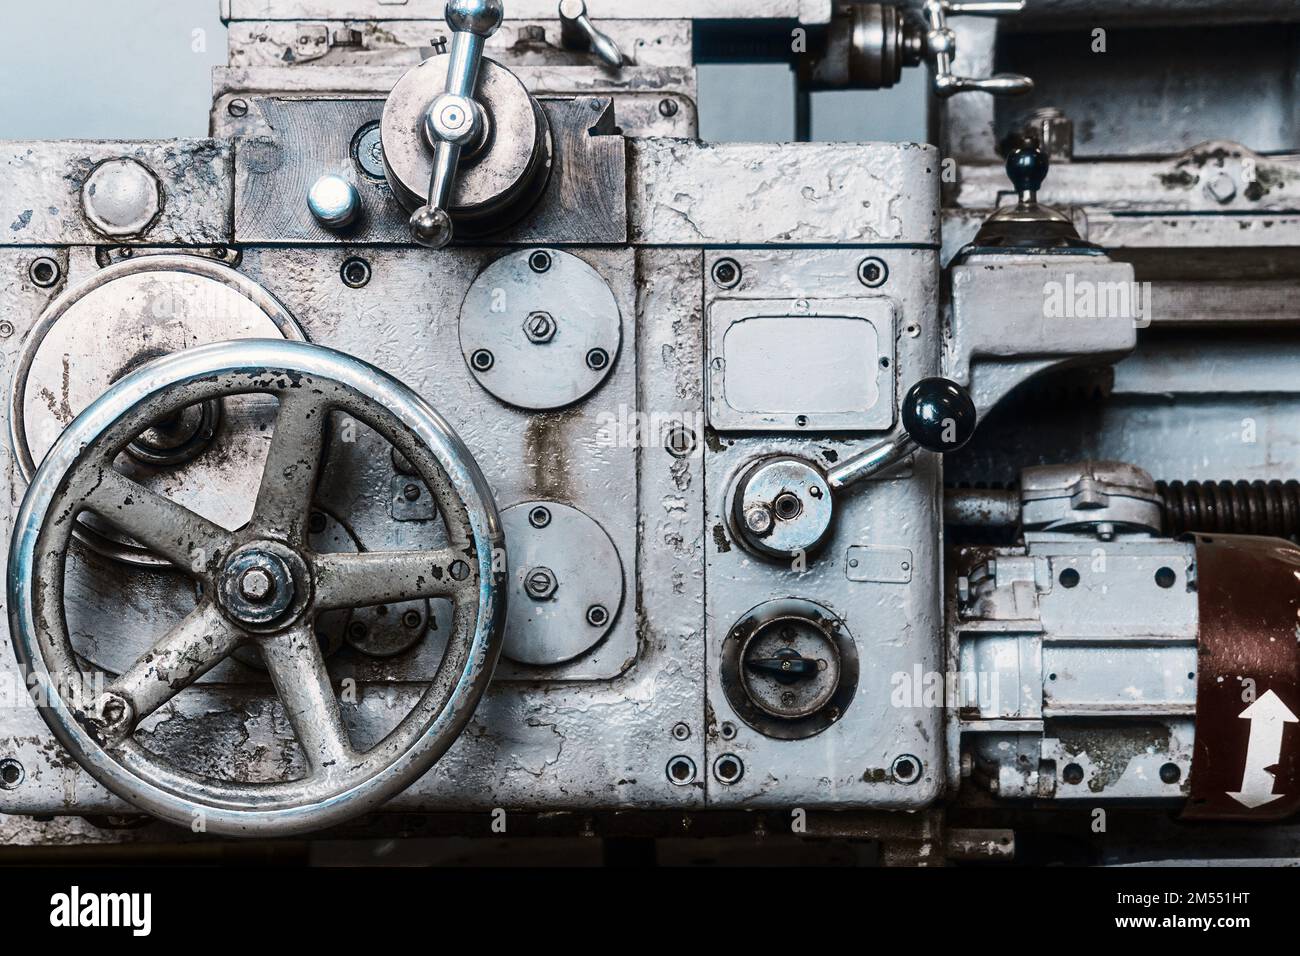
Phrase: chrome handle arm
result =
(941, 45)
(455, 119)
(577, 25)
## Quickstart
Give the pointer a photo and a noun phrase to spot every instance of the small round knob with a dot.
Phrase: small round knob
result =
(479, 17)
(431, 227)
(1027, 168)
(939, 415)
(334, 202)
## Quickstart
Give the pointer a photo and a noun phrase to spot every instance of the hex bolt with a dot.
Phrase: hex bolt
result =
(12, 773)
(256, 585)
(758, 519)
(597, 359)
(872, 272)
(1221, 188)
(680, 771)
(597, 616)
(728, 769)
(317, 522)
(44, 272)
(539, 327)
(787, 505)
(482, 360)
(540, 583)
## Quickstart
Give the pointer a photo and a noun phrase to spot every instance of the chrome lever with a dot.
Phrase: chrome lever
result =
(455, 119)
(576, 25)
(941, 45)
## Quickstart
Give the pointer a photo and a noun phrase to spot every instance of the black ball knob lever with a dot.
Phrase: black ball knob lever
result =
(1027, 168)
(939, 415)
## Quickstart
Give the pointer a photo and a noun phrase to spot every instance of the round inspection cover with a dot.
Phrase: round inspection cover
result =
(121, 318)
(558, 546)
(540, 329)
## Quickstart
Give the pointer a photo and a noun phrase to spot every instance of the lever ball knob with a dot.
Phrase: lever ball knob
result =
(479, 17)
(939, 415)
(1027, 168)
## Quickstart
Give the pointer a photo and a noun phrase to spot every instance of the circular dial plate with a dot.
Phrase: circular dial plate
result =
(123, 317)
(586, 572)
(508, 306)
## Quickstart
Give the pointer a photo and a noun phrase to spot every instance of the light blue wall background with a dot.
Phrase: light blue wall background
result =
(141, 69)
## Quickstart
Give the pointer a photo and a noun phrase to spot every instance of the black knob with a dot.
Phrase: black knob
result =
(1027, 168)
(939, 415)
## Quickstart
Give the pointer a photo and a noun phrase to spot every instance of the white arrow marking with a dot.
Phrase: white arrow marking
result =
(1268, 716)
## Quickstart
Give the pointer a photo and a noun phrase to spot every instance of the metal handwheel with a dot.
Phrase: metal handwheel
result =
(259, 585)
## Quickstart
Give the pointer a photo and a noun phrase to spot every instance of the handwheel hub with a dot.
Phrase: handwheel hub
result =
(264, 586)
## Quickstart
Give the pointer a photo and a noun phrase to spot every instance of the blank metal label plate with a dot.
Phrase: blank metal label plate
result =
(801, 365)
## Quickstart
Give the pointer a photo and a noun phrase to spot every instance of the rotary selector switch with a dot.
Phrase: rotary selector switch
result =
(466, 148)
(789, 668)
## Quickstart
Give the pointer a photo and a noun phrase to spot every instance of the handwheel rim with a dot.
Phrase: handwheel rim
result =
(287, 807)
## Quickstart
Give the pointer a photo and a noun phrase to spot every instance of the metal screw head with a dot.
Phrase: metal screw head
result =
(680, 442)
(726, 273)
(758, 519)
(728, 769)
(668, 108)
(540, 261)
(411, 492)
(412, 619)
(1221, 188)
(256, 585)
(597, 359)
(539, 517)
(12, 773)
(787, 506)
(6, 329)
(872, 272)
(539, 327)
(540, 584)
(680, 771)
(368, 151)
(355, 273)
(597, 616)
(482, 360)
(44, 272)
(334, 202)
(681, 732)
(238, 108)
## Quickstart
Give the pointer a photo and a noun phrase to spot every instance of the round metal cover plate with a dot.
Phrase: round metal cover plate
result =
(540, 329)
(121, 318)
(587, 576)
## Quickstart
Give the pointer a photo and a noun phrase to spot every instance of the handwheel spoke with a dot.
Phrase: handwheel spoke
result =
(301, 679)
(292, 467)
(386, 577)
(188, 651)
(183, 537)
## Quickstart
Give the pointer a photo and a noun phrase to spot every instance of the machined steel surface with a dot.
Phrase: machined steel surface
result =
(725, 576)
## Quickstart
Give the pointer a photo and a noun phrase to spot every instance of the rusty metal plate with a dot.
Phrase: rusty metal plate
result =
(1246, 761)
